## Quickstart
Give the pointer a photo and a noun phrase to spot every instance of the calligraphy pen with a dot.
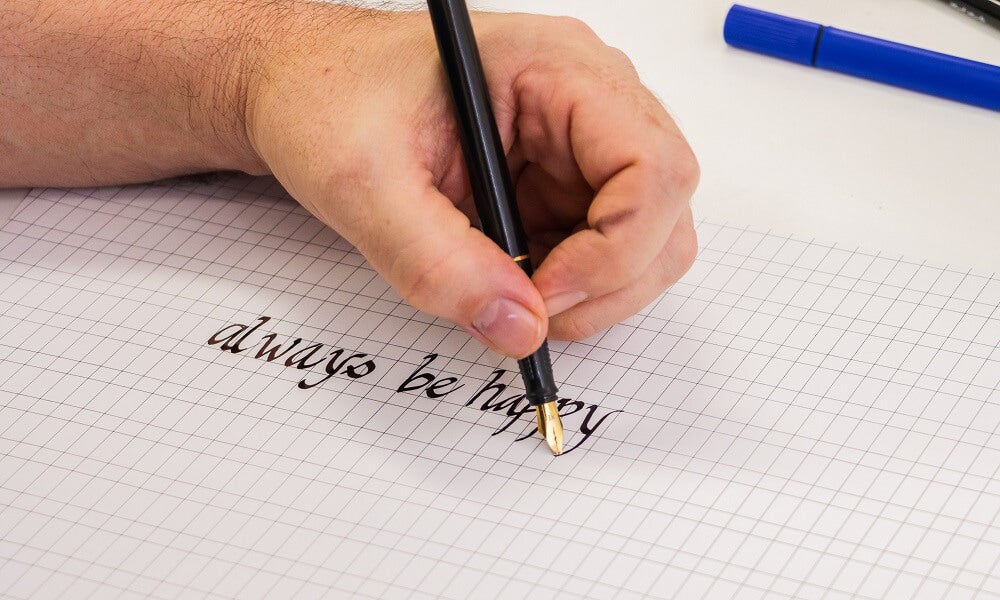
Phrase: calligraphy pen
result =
(491, 186)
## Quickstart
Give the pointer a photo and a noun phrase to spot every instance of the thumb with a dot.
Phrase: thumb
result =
(429, 252)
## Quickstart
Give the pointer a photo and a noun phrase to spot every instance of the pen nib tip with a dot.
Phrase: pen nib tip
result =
(550, 426)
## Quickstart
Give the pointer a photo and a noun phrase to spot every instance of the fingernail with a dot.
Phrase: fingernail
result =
(563, 302)
(509, 326)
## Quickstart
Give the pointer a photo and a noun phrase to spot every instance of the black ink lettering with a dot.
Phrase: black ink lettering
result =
(492, 385)
(490, 397)
(236, 345)
(215, 339)
(229, 343)
(510, 403)
(355, 371)
(564, 402)
(274, 352)
(332, 368)
(586, 429)
(530, 433)
(301, 362)
(418, 380)
(438, 388)
(515, 412)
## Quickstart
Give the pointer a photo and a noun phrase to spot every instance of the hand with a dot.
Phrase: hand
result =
(350, 110)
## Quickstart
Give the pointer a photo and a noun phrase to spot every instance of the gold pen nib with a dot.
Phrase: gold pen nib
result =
(550, 426)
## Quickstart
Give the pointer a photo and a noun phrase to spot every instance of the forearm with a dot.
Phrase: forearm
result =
(103, 91)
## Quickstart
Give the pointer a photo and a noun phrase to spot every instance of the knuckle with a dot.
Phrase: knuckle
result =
(687, 170)
(682, 171)
(576, 27)
(678, 257)
(622, 60)
(663, 275)
(687, 252)
(570, 327)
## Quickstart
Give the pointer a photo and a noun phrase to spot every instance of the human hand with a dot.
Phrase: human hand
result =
(349, 109)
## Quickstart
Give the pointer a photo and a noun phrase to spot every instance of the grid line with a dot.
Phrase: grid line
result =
(797, 419)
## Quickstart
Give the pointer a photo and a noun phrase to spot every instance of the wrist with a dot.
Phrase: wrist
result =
(270, 46)
(236, 46)
(300, 68)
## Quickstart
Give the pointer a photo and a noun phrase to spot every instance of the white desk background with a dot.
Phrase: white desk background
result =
(807, 152)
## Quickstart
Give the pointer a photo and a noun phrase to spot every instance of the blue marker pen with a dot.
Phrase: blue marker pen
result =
(863, 56)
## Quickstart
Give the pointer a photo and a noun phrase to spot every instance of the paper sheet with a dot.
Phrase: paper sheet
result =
(792, 419)
(9, 201)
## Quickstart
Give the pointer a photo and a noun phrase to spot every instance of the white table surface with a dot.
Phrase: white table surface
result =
(811, 153)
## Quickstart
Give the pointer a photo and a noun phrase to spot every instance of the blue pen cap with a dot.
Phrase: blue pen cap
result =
(771, 34)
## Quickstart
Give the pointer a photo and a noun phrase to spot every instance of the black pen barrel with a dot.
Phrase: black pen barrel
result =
(495, 196)
(536, 371)
(483, 149)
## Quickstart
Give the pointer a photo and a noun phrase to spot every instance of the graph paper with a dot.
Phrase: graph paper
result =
(791, 420)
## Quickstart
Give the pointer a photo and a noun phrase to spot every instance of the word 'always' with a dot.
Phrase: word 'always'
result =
(489, 397)
(355, 365)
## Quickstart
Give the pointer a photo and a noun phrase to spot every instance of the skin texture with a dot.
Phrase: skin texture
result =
(349, 109)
